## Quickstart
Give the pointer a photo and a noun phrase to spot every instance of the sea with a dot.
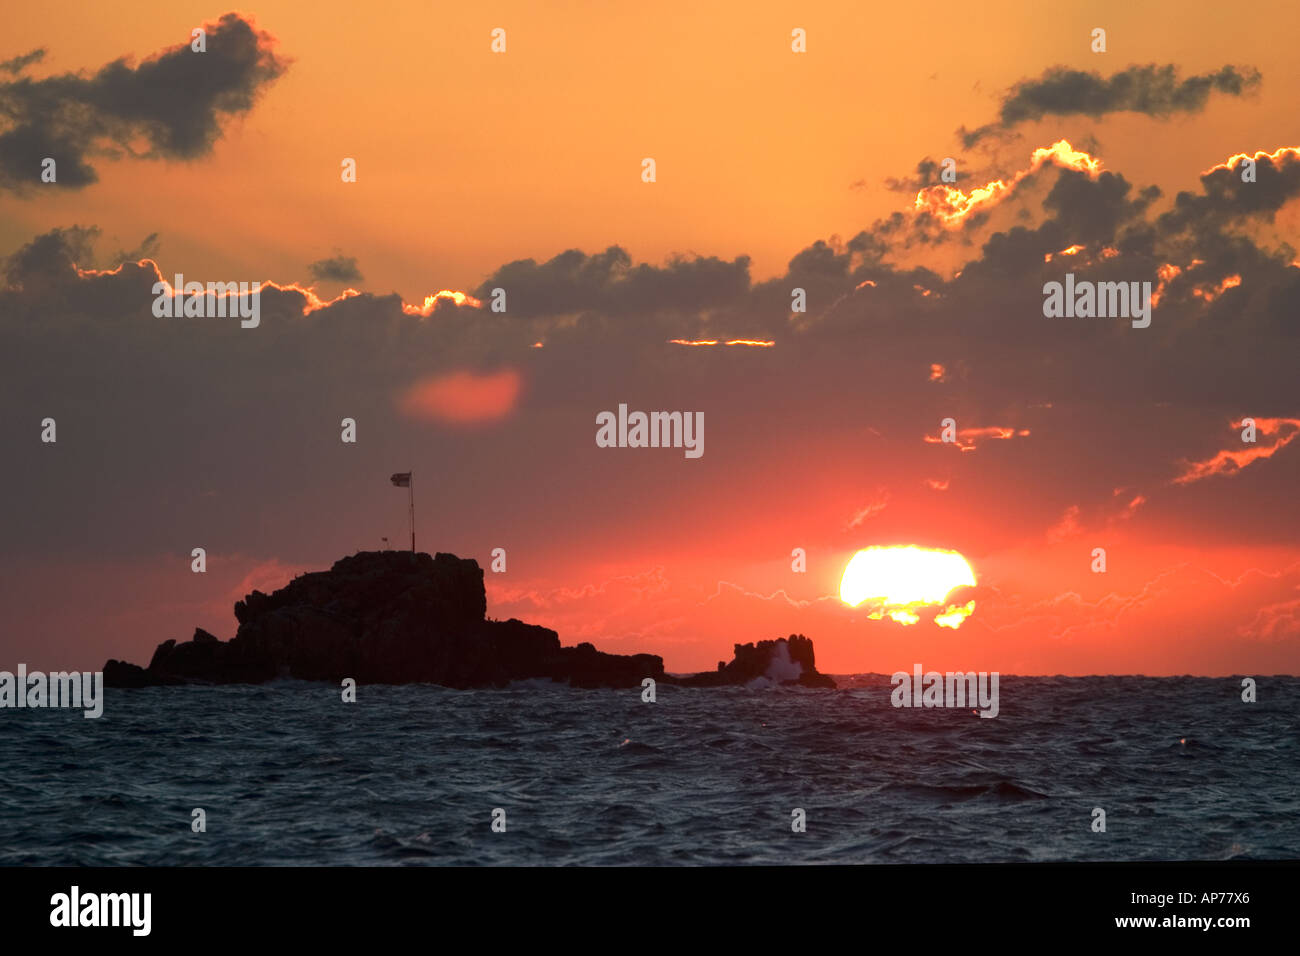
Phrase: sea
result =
(1177, 768)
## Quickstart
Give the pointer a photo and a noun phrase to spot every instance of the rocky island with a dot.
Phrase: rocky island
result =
(398, 617)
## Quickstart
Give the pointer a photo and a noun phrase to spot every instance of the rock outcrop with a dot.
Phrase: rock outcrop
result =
(784, 661)
(396, 617)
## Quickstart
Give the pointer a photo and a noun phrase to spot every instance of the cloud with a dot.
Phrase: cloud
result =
(1153, 90)
(928, 173)
(51, 258)
(1224, 197)
(608, 282)
(967, 439)
(19, 63)
(174, 102)
(1281, 431)
(1093, 210)
(1274, 622)
(463, 397)
(953, 207)
(338, 268)
(846, 386)
(148, 249)
(878, 503)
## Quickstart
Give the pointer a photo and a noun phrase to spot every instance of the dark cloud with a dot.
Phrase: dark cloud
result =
(607, 281)
(1093, 210)
(174, 101)
(148, 249)
(19, 63)
(338, 268)
(1151, 89)
(1225, 197)
(51, 258)
(209, 428)
(54, 257)
(928, 173)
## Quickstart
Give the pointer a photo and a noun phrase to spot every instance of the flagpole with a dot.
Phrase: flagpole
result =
(410, 486)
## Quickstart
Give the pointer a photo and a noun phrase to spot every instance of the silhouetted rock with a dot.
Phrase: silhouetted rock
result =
(382, 617)
(122, 674)
(784, 661)
(396, 617)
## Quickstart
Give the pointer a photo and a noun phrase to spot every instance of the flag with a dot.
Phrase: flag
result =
(402, 479)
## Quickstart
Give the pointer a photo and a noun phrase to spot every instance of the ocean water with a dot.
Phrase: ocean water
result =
(288, 774)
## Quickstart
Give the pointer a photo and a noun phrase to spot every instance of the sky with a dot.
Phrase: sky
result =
(775, 171)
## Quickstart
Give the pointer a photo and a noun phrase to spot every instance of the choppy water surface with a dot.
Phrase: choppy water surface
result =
(288, 774)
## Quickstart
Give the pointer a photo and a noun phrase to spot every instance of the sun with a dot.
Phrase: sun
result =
(897, 581)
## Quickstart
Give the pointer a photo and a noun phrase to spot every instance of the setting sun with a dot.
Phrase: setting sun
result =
(896, 582)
